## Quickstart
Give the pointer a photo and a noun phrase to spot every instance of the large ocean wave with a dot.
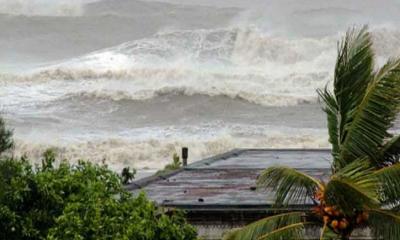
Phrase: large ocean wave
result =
(238, 63)
(235, 62)
(133, 81)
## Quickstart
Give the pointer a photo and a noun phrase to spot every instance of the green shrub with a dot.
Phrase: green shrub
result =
(175, 165)
(6, 141)
(82, 201)
(127, 175)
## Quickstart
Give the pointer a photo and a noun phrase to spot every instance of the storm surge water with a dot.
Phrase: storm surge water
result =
(130, 82)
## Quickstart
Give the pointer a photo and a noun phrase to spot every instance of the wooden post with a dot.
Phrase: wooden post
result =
(185, 155)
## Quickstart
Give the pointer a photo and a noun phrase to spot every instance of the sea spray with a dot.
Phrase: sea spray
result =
(155, 153)
(133, 81)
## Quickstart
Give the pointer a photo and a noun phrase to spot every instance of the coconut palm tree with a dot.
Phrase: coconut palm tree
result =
(363, 190)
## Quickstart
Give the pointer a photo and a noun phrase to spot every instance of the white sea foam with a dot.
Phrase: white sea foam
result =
(281, 53)
(239, 63)
(156, 152)
(236, 62)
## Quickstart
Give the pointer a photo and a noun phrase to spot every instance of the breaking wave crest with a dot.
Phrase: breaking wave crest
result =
(143, 84)
(155, 153)
(116, 104)
(236, 62)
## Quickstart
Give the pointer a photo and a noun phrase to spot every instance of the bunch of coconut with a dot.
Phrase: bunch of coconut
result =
(336, 219)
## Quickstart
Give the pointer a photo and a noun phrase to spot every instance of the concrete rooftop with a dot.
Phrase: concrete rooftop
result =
(228, 181)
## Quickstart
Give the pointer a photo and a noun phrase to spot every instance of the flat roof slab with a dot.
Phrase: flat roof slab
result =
(229, 180)
(261, 159)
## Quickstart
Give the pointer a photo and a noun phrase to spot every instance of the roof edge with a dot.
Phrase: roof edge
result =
(140, 183)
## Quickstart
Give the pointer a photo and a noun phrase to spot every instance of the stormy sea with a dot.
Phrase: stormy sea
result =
(130, 82)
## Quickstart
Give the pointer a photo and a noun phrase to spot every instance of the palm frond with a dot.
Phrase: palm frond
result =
(366, 132)
(384, 224)
(353, 71)
(291, 186)
(353, 187)
(332, 110)
(390, 184)
(396, 209)
(267, 225)
(391, 151)
(328, 234)
(293, 232)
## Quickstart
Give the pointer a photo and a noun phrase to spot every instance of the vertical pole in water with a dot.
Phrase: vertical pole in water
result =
(185, 155)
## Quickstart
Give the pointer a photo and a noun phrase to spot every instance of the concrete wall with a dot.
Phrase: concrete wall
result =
(215, 232)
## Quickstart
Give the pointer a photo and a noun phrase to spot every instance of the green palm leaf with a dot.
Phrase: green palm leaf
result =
(374, 116)
(268, 225)
(353, 187)
(391, 151)
(332, 110)
(290, 186)
(293, 232)
(390, 184)
(353, 71)
(384, 224)
(328, 234)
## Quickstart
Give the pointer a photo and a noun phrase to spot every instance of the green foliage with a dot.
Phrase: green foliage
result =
(328, 234)
(353, 71)
(390, 185)
(6, 141)
(130, 218)
(278, 227)
(175, 165)
(375, 115)
(391, 151)
(386, 224)
(127, 175)
(353, 188)
(364, 103)
(82, 201)
(291, 186)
